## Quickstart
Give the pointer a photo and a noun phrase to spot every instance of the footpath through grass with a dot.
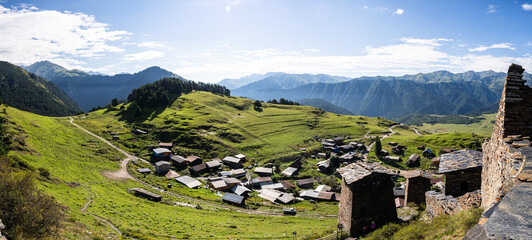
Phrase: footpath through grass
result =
(76, 160)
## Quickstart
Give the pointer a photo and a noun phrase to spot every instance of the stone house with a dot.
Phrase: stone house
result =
(367, 196)
(417, 183)
(162, 167)
(462, 171)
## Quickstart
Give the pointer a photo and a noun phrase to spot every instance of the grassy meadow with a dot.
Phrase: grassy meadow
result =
(75, 161)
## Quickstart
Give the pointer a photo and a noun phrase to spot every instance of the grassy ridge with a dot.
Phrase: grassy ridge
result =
(76, 160)
(209, 125)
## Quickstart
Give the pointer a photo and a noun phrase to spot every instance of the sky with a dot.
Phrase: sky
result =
(209, 40)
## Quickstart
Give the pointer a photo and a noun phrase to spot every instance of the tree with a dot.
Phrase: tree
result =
(378, 146)
(114, 102)
(257, 104)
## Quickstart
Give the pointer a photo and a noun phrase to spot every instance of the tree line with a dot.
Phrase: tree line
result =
(163, 92)
(283, 102)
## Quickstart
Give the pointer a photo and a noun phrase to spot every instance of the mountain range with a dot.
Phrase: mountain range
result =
(91, 91)
(29, 92)
(439, 92)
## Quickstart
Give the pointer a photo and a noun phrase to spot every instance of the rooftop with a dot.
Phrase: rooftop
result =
(188, 181)
(231, 159)
(356, 171)
(161, 150)
(229, 197)
(460, 160)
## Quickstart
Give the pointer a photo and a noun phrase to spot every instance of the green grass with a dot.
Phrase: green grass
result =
(209, 125)
(76, 160)
(436, 142)
(484, 127)
(441, 227)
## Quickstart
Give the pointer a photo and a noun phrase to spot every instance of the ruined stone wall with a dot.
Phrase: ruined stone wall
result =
(415, 189)
(500, 159)
(463, 181)
(439, 203)
(371, 200)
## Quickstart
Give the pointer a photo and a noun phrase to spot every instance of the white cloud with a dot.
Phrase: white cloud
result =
(498, 45)
(433, 42)
(527, 7)
(492, 9)
(142, 56)
(399, 11)
(410, 55)
(227, 8)
(151, 44)
(313, 50)
(30, 34)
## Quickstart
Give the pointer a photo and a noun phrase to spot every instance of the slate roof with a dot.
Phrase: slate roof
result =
(145, 192)
(289, 171)
(269, 194)
(161, 150)
(413, 157)
(231, 159)
(192, 158)
(214, 163)
(417, 173)
(239, 190)
(231, 180)
(160, 163)
(200, 167)
(309, 194)
(277, 186)
(356, 171)
(286, 198)
(225, 173)
(325, 195)
(144, 170)
(229, 197)
(460, 160)
(323, 188)
(238, 172)
(263, 170)
(188, 181)
(305, 181)
(178, 159)
(218, 184)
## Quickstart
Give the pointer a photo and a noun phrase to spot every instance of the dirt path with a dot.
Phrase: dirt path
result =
(95, 216)
(123, 174)
(117, 175)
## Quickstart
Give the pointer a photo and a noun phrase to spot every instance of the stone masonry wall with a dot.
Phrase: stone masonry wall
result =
(345, 206)
(463, 181)
(500, 159)
(438, 203)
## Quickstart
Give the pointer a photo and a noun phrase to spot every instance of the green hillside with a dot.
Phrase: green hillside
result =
(76, 161)
(210, 125)
(29, 92)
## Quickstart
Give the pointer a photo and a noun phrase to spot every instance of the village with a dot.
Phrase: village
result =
(371, 191)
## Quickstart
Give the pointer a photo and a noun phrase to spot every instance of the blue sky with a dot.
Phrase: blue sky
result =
(210, 40)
